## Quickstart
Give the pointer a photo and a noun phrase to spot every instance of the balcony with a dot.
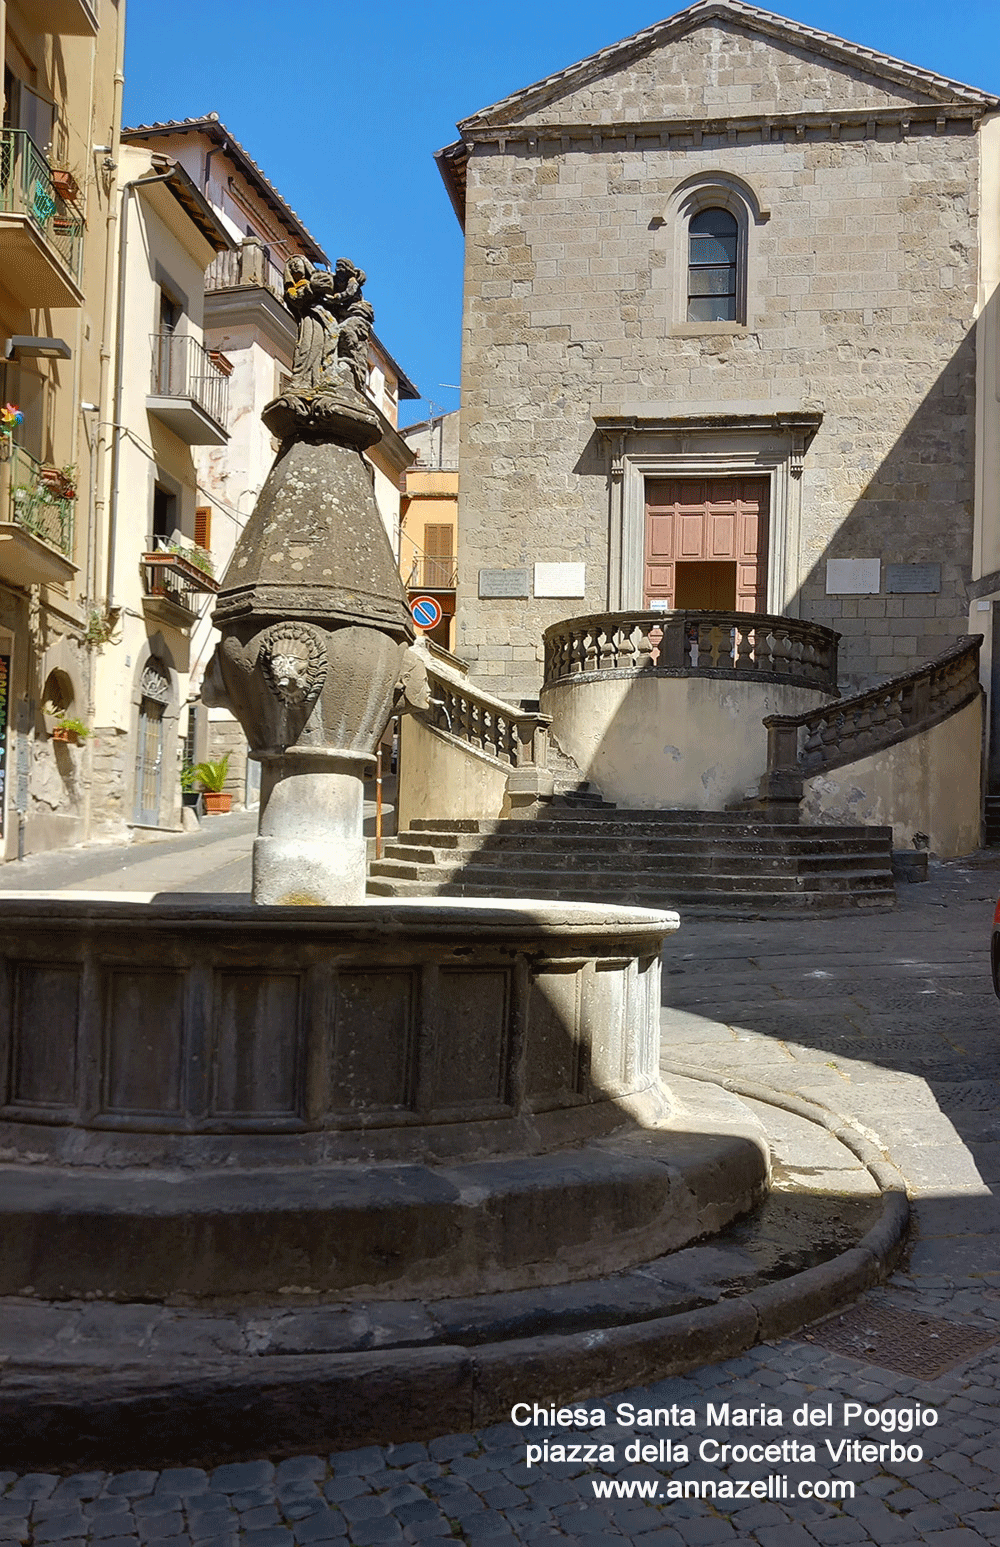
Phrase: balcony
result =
(248, 267)
(77, 18)
(244, 287)
(36, 524)
(172, 586)
(41, 235)
(432, 574)
(188, 392)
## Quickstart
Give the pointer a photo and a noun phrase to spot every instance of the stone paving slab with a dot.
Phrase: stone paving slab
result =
(478, 1488)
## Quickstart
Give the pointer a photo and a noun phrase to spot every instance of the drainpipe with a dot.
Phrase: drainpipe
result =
(98, 444)
(108, 341)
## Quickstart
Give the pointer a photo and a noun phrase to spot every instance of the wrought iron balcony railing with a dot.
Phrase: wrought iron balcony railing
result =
(171, 577)
(183, 368)
(433, 574)
(37, 504)
(26, 188)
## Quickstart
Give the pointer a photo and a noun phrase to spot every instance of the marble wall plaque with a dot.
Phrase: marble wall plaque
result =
(917, 579)
(560, 579)
(503, 582)
(853, 577)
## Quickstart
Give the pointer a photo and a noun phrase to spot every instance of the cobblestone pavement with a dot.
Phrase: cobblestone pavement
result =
(889, 1019)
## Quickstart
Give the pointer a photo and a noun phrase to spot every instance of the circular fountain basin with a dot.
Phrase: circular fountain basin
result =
(210, 1100)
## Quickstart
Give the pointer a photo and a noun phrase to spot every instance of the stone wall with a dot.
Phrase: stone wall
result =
(112, 772)
(653, 742)
(928, 785)
(860, 297)
(226, 735)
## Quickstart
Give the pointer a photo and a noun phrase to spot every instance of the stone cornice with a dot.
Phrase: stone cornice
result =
(853, 123)
(637, 421)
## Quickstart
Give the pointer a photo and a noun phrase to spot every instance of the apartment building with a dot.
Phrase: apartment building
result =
(62, 74)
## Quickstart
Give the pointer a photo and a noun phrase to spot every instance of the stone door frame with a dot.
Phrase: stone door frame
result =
(712, 444)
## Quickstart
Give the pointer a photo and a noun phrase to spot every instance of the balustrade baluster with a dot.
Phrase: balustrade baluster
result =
(780, 644)
(744, 657)
(645, 649)
(878, 713)
(591, 652)
(863, 725)
(626, 649)
(814, 744)
(608, 648)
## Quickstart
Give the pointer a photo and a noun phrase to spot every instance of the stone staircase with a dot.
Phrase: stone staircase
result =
(719, 861)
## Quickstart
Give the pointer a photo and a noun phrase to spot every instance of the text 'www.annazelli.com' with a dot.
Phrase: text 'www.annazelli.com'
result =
(777, 1486)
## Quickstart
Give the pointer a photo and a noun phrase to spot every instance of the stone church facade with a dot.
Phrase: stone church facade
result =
(723, 286)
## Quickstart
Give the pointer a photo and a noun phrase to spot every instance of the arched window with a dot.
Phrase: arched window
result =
(713, 266)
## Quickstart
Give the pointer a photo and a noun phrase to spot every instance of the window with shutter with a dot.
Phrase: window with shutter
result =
(203, 526)
(439, 548)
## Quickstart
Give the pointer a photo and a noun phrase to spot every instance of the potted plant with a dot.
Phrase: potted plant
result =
(199, 557)
(65, 183)
(212, 776)
(190, 794)
(68, 729)
(60, 482)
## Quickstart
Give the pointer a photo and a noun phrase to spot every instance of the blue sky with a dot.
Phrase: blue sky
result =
(344, 106)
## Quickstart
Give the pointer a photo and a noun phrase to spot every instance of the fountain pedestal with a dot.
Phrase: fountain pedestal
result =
(311, 847)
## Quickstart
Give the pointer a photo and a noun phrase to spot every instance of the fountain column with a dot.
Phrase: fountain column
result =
(313, 616)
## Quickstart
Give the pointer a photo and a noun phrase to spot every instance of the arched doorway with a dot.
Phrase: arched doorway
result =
(154, 691)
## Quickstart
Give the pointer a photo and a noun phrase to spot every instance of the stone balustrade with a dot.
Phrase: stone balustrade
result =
(834, 734)
(738, 645)
(486, 723)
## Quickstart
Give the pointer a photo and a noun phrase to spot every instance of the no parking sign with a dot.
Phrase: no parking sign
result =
(426, 612)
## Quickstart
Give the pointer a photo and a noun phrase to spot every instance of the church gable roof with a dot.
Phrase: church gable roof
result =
(685, 66)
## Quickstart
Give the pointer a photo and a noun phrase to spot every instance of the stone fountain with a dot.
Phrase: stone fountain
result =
(310, 1098)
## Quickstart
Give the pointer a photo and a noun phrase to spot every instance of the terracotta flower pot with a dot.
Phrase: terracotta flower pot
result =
(61, 734)
(217, 802)
(64, 183)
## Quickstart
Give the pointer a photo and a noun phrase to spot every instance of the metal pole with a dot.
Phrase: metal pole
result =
(378, 802)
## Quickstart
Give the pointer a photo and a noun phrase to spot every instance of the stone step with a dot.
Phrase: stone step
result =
(623, 862)
(613, 885)
(629, 818)
(680, 847)
(611, 831)
(876, 899)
